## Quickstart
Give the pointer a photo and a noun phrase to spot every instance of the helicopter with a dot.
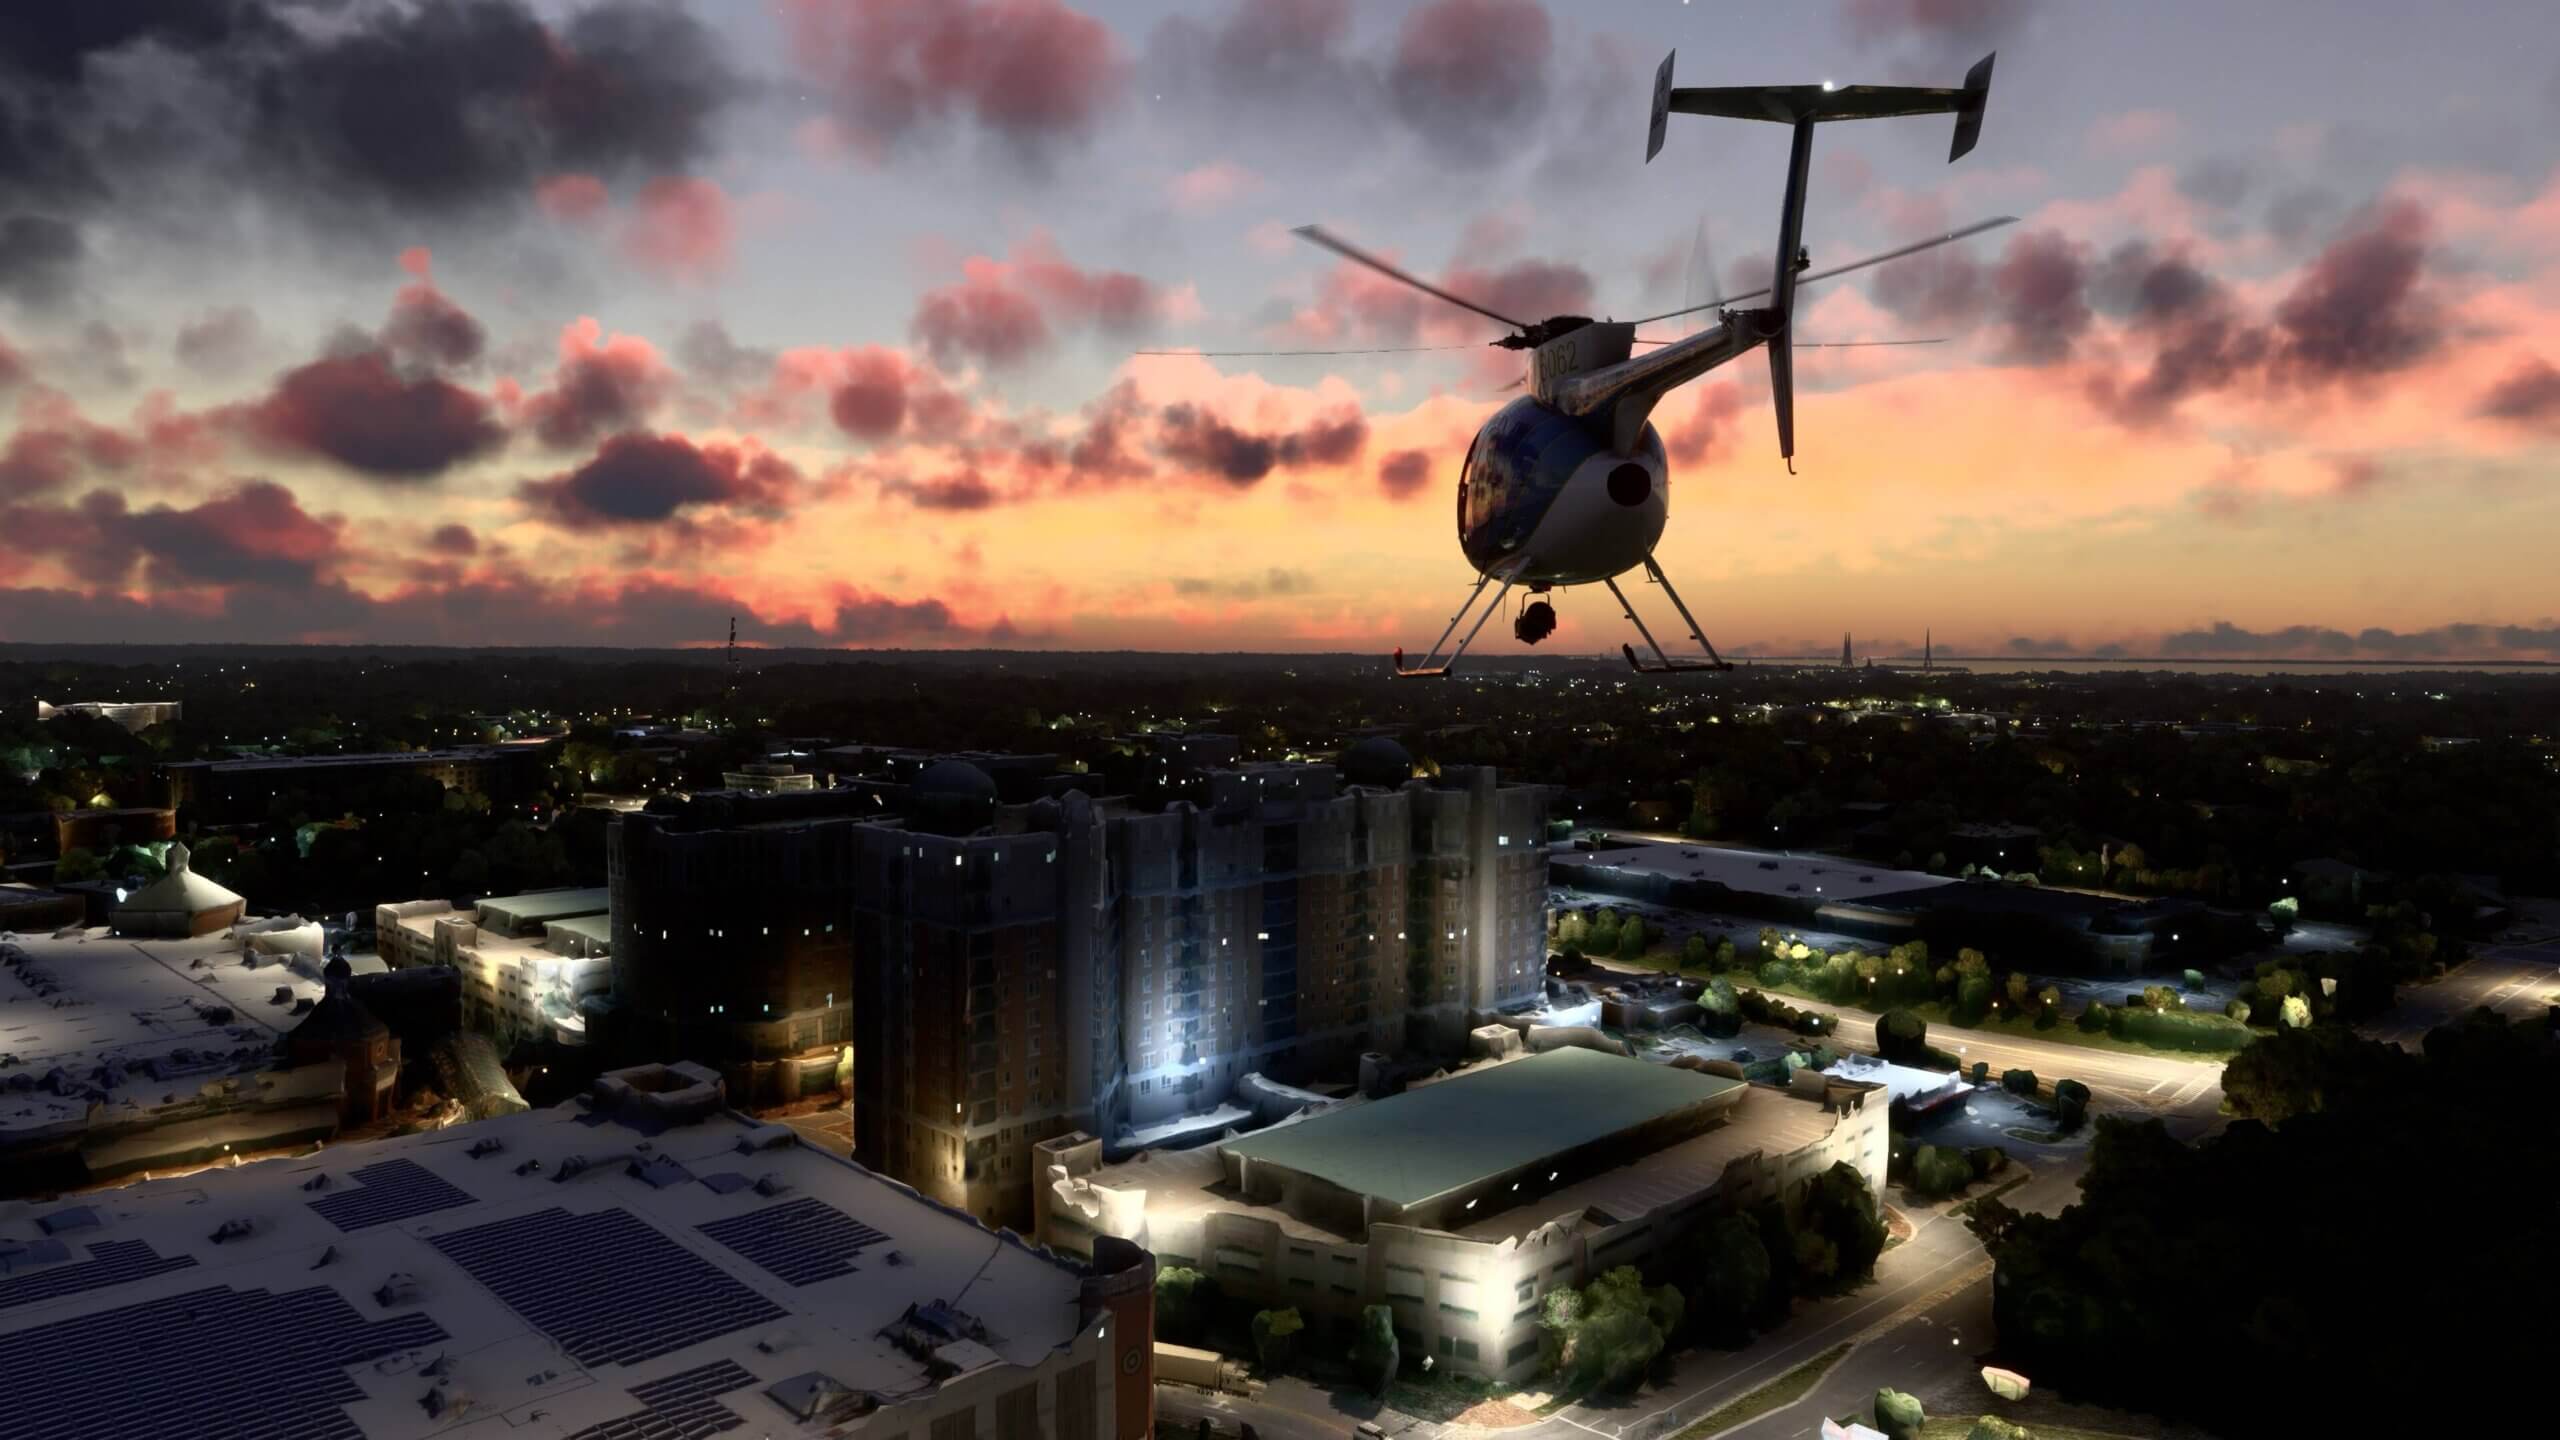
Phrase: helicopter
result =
(1568, 483)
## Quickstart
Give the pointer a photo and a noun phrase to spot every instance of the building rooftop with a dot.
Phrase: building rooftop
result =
(1478, 1124)
(692, 1277)
(145, 1023)
(385, 758)
(517, 914)
(594, 928)
(1809, 877)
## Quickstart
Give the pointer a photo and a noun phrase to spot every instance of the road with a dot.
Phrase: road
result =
(2516, 980)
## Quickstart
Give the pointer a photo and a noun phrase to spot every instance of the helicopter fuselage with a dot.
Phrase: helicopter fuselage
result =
(1545, 500)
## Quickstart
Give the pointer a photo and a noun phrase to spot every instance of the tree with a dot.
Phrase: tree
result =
(1729, 1278)
(1724, 954)
(1838, 1232)
(2304, 1071)
(2070, 1104)
(1573, 930)
(1938, 1170)
(1374, 1351)
(1182, 1303)
(1631, 938)
(77, 863)
(1902, 1036)
(1611, 1332)
(1275, 1337)
(1603, 938)
(2161, 997)
(1694, 953)
(1899, 1415)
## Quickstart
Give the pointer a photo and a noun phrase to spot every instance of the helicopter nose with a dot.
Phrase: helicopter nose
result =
(1630, 485)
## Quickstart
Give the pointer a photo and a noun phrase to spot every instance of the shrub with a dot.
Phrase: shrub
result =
(2070, 1104)
(1938, 1170)
(1776, 972)
(2018, 1082)
(1183, 1300)
(2238, 1010)
(1375, 1351)
(2194, 979)
(1275, 1337)
(1694, 953)
(1981, 1072)
(2161, 997)
(2297, 1012)
(2097, 1019)
(1901, 1034)
(1992, 1427)
(1985, 1160)
(1899, 1415)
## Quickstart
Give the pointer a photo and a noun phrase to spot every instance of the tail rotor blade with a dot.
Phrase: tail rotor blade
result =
(1933, 242)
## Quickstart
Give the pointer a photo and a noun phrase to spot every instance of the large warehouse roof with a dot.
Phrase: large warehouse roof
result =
(1429, 1141)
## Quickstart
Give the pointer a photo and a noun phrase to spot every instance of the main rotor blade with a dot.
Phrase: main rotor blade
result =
(1385, 350)
(1317, 234)
(1933, 242)
(1829, 344)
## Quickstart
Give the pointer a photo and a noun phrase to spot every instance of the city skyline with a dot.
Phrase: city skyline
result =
(810, 314)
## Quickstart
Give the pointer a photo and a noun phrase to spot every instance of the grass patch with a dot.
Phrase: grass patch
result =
(1957, 1427)
(1785, 1390)
(1440, 1396)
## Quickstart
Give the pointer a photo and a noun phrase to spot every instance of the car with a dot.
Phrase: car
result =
(1743, 1057)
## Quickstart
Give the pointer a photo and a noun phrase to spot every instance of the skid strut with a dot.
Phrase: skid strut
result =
(1664, 664)
(1432, 665)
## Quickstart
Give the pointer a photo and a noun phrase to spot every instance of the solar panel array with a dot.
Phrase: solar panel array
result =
(800, 1241)
(389, 1190)
(110, 1262)
(211, 1364)
(681, 1407)
(608, 1287)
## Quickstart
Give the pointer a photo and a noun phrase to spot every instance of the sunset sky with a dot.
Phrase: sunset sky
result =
(508, 322)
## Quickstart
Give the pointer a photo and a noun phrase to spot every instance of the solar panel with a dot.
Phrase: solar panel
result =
(608, 1287)
(176, 1366)
(800, 1241)
(389, 1190)
(110, 1262)
(680, 1407)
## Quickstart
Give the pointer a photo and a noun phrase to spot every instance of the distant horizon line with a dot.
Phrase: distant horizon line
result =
(717, 649)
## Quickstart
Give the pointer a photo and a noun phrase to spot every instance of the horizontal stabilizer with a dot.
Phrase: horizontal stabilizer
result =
(1794, 104)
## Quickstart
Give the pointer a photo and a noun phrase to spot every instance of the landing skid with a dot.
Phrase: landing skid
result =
(1664, 664)
(1432, 666)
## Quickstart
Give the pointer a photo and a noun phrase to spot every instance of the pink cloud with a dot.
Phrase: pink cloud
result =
(680, 227)
(1206, 187)
(572, 198)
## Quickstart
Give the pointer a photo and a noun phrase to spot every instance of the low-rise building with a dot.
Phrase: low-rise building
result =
(134, 715)
(1462, 1202)
(641, 1262)
(525, 961)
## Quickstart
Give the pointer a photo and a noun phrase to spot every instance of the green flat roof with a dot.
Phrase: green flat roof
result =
(1410, 1147)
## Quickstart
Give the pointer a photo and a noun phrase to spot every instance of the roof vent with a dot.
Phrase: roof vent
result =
(283, 995)
(770, 1185)
(317, 1182)
(530, 1167)
(326, 1255)
(489, 1145)
(237, 1228)
(400, 1289)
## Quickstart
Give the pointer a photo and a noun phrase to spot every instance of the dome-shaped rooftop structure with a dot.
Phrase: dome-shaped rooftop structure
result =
(951, 797)
(1377, 762)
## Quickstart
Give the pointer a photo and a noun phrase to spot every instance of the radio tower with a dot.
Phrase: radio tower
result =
(729, 697)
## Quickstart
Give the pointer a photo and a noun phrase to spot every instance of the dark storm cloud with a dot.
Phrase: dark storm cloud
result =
(219, 342)
(256, 532)
(1403, 474)
(2443, 642)
(1469, 75)
(2217, 181)
(1271, 583)
(428, 329)
(2529, 395)
(1197, 440)
(1030, 74)
(2357, 311)
(346, 114)
(2040, 282)
(39, 254)
(644, 479)
(358, 410)
(2200, 339)
(454, 539)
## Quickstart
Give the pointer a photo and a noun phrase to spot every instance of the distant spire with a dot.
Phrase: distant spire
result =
(1927, 652)
(1844, 649)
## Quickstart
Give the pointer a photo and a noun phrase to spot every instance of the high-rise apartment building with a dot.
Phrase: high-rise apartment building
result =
(1013, 970)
